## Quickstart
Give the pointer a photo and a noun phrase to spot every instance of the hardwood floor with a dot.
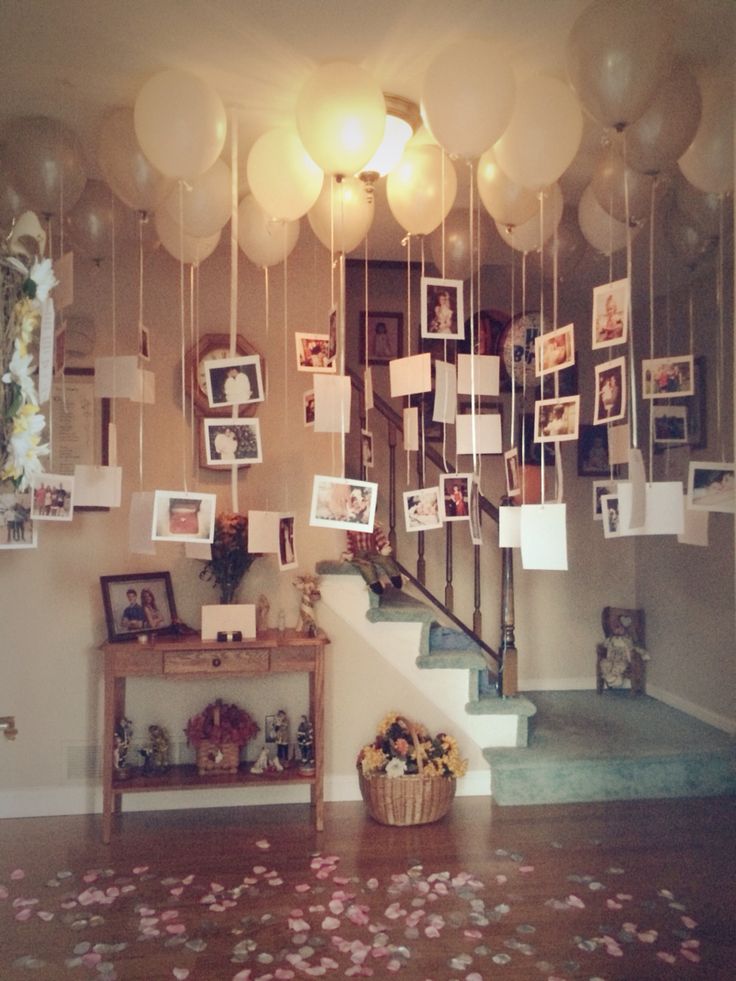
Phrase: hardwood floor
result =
(624, 891)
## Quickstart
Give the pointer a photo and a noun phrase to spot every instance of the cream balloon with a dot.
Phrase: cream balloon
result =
(421, 190)
(659, 137)
(341, 117)
(47, 164)
(91, 221)
(282, 177)
(532, 234)
(125, 166)
(460, 260)
(203, 207)
(185, 248)
(180, 123)
(602, 231)
(618, 52)
(264, 240)
(611, 183)
(505, 201)
(544, 134)
(12, 203)
(708, 163)
(467, 97)
(343, 214)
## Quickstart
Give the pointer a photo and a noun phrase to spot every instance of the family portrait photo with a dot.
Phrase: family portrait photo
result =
(422, 510)
(610, 313)
(381, 337)
(442, 308)
(17, 530)
(179, 516)
(340, 503)
(234, 381)
(554, 350)
(610, 390)
(137, 603)
(237, 441)
(556, 419)
(663, 377)
(52, 497)
(313, 353)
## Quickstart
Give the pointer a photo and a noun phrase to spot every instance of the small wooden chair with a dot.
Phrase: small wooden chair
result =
(621, 622)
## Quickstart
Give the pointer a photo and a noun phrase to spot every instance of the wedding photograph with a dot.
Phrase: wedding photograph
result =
(234, 381)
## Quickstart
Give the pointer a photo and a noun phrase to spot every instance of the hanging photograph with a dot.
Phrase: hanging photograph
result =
(137, 603)
(381, 337)
(366, 448)
(313, 353)
(144, 342)
(237, 441)
(664, 377)
(669, 425)
(511, 463)
(308, 407)
(601, 488)
(179, 516)
(610, 391)
(17, 530)
(455, 495)
(287, 547)
(340, 503)
(332, 334)
(442, 308)
(234, 381)
(422, 510)
(556, 419)
(610, 515)
(476, 536)
(52, 497)
(610, 314)
(593, 458)
(554, 350)
(711, 487)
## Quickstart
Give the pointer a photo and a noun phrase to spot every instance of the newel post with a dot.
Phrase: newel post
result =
(508, 675)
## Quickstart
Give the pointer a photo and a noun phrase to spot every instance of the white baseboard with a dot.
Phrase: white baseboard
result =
(690, 708)
(527, 685)
(476, 783)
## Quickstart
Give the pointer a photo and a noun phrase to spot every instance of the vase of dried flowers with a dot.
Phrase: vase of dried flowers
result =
(230, 556)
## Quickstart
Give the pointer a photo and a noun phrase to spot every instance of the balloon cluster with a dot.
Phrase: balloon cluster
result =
(164, 156)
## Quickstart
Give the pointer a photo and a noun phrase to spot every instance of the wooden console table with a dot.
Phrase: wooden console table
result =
(180, 659)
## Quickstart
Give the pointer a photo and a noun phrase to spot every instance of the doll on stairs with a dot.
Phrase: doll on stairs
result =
(370, 553)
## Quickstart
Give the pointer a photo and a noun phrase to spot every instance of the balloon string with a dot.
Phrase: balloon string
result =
(471, 235)
(182, 335)
(234, 278)
(632, 367)
(512, 300)
(366, 402)
(720, 374)
(652, 198)
(193, 277)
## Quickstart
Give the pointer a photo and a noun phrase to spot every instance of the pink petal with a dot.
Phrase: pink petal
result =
(330, 923)
(180, 973)
(526, 868)
(17, 874)
(169, 914)
(666, 957)
(302, 887)
(25, 914)
(177, 890)
(91, 959)
(140, 869)
(612, 904)
(176, 928)
(575, 901)
(690, 955)
(689, 922)
(45, 915)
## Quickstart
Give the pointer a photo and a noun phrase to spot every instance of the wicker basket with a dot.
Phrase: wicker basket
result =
(217, 757)
(414, 799)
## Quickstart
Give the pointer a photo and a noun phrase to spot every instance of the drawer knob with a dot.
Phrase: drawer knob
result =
(216, 662)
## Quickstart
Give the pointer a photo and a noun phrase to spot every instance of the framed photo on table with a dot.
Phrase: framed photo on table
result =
(381, 336)
(138, 603)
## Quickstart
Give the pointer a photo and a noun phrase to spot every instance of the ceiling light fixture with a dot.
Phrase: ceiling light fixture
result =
(402, 121)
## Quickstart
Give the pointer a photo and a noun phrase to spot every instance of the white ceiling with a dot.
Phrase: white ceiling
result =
(73, 60)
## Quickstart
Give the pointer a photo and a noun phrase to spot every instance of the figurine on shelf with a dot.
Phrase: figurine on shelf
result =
(281, 734)
(370, 554)
(263, 608)
(308, 585)
(121, 746)
(305, 742)
(159, 740)
(263, 763)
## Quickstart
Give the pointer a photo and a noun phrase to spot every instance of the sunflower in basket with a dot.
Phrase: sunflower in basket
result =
(404, 748)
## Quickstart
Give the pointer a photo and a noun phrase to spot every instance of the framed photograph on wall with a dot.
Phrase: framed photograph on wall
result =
(137, 603)
(381, 336)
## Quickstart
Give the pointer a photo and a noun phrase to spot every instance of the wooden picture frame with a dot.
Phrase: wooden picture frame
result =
(122, 607)
(384, 333)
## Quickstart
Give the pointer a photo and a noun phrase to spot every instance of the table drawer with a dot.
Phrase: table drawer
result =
(216, 662)
(137, 660)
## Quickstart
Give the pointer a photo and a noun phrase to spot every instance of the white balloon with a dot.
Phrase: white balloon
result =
(708, 163)
(468, 96)
(603, 232)
(203, 207)
(125, 166)
(282, 177)
(186, 248)
(264, 240)
(656, 140)
(618, 52)
(343, 214)
(532, 234)
(421, 190)
(341, 117)
(544, 134)
(504, 200)
(612, 182)
(180, 123)
(91, 221)
(47, 163)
